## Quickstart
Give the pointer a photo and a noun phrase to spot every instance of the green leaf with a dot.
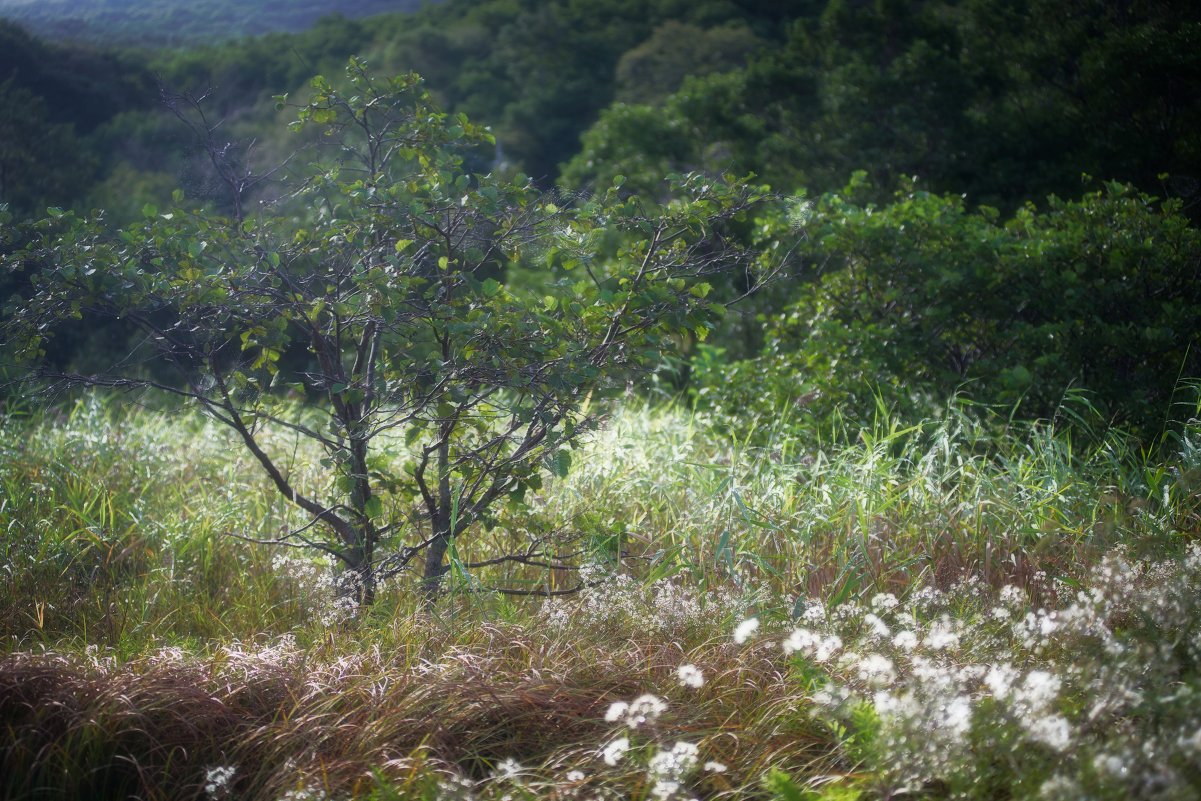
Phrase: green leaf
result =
(560, 463)
(783, 788)
(149, 211)
(374, 507)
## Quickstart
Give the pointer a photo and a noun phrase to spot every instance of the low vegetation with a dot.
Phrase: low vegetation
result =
(945, 610)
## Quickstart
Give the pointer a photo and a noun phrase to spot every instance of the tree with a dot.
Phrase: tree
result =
(675, 50)
(39, 160)
(376, 287)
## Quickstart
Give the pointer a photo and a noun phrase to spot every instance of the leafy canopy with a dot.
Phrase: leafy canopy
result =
(921, 298)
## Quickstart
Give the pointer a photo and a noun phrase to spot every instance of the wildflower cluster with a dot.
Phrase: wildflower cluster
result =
(327, 595)
(645, 709)
(218, 782)
(667, 768)
(1099, 698)
(615, 603)
(308, 792)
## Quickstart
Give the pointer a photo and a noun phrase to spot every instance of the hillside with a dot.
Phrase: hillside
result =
(157, 23)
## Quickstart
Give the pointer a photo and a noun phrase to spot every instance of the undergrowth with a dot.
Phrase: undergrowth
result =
(956, 609)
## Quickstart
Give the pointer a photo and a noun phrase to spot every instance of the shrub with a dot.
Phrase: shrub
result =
(920, 299)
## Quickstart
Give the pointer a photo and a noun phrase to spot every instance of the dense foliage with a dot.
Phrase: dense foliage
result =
(1005, 102)
(919, 299)
(987, 102)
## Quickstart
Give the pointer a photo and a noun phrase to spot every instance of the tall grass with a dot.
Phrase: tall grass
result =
(150, 653)
(888, 508)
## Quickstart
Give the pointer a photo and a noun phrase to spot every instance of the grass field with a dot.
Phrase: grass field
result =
(957, 609)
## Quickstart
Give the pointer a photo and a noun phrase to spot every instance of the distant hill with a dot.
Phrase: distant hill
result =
(158, 23)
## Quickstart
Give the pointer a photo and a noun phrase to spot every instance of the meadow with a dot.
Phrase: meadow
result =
(964, 607)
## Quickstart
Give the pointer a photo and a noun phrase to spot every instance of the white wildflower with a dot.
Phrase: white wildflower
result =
(879, 629)
(1111, 764)
(827, 648)
(941, 636)
(1036, 628)
(884, 601)
(1050, 730)
(811, 644)
(575, 776)
(814, 614)
(1012, 596)
(957, 716)
(1038, 691)
(745, 629)
(905, 640)
(714, 767)
(876, 670)
(217, 781)
(643, 709)
(800, 640)
(670, 768)
(614, 751)
(832, 696)
(617, 711)
(508, 769)
(903, 706)
(1000, 680)
(676, 764)
(665, 788)
(690, 676)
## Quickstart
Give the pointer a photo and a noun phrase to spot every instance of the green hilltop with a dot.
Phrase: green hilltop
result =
(161, 23)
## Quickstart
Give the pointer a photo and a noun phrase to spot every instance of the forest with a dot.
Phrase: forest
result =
(550, 399)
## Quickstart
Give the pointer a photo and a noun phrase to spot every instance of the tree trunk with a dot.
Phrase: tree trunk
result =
(362, 562)
(364, 530)
(431, 580)
(434, 568)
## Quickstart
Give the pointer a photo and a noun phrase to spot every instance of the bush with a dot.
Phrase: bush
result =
(920, 299)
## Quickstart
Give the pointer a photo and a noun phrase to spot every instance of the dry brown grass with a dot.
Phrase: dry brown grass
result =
(341, 717)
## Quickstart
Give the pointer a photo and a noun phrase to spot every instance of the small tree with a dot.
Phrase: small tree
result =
(381, 275)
